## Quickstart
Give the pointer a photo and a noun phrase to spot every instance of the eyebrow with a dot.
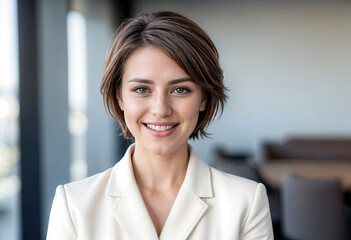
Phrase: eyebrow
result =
(147, 81)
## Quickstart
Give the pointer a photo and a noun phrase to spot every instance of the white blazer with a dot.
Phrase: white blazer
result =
(210, 205)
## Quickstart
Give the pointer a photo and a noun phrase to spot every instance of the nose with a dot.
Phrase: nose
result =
(161, 106)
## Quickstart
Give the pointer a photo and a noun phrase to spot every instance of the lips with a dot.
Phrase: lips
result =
(161, 129)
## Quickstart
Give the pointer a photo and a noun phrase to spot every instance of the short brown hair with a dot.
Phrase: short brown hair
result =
(180, 39)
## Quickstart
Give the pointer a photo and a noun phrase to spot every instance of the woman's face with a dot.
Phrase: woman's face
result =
(161, 103)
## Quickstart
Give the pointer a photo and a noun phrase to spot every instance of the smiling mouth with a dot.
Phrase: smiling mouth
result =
(160, 128)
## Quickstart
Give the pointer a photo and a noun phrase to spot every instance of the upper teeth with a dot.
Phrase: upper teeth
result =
(159, 128)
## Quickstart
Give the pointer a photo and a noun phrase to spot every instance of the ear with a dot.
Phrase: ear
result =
(203, 105)
(120, 102)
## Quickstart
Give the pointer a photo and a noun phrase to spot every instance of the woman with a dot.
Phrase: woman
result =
(164, 85)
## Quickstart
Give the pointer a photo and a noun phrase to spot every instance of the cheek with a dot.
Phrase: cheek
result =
(133, 111)
(190, 111)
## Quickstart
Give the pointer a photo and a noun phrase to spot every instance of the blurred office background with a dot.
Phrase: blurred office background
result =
(287, 65)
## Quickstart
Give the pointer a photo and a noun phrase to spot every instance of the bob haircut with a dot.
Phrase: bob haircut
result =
(180, 39)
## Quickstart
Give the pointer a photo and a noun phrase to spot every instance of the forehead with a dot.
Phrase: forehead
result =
(151, 62)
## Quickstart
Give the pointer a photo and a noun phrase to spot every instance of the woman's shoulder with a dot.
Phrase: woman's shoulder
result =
(114, 178)
(88, 185)
(233, 185)
(243, 201)
(227, 185)
(224, 177)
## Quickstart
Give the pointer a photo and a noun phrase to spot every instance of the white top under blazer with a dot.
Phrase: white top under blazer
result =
(210, 205)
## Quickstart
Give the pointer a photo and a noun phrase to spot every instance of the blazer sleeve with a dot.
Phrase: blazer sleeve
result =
(60, 222)
(258, 224)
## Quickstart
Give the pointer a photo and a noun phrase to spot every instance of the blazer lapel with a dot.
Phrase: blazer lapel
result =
(189, 207)
(128, 206)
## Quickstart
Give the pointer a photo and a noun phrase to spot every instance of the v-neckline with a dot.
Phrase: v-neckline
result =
(159, 219)
(188, 208)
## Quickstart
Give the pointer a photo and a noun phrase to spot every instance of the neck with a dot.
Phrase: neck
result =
(160, 172)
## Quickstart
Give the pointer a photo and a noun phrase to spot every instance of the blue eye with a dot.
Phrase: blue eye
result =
(181, 90)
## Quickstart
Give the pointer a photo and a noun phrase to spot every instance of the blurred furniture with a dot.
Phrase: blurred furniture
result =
(312, 209)
(308, 148)
(234, 162)
(274, 171)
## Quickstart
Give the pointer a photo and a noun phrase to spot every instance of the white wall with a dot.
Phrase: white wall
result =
(287, 63)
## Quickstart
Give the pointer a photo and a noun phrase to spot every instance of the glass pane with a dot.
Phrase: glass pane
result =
(77, 89)
(9, 123)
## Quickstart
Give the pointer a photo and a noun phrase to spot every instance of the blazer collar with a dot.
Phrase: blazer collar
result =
(188, 208)
(198, 176)
(122, 176)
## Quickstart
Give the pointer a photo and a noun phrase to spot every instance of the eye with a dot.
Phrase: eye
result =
(181, 90)
(141, 90)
